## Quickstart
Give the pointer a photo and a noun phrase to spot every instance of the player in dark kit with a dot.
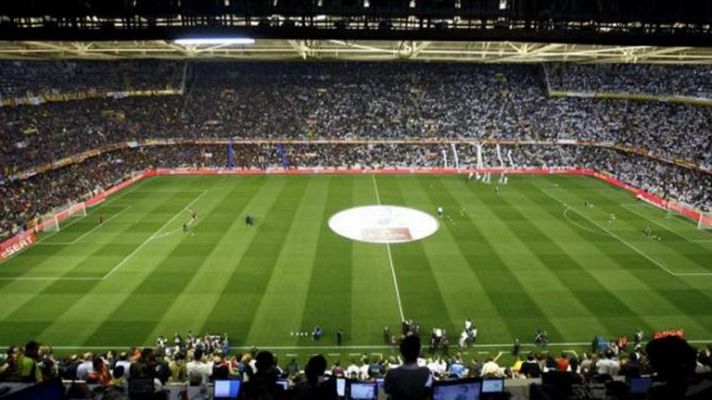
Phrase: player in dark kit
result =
(100, 220)
(249, 220)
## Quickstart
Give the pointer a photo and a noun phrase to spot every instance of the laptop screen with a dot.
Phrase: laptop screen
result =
(363, 391)
(341, 387)
(640, 385)
(493, 386)
(457, 390)
(226, 389)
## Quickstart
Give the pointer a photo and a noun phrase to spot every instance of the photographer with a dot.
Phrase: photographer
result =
(8, 364)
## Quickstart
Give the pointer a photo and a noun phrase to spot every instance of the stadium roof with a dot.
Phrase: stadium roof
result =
(281, 49)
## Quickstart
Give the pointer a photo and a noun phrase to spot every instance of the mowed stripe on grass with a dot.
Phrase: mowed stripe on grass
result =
(512, 262)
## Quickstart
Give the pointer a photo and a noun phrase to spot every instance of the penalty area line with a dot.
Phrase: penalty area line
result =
(153, 236)
(631, 208)
(41, 240)
(390, 257)
(92, 209)
(630, 246)
(85, 234)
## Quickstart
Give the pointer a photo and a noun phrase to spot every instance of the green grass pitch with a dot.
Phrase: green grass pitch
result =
(531, 257)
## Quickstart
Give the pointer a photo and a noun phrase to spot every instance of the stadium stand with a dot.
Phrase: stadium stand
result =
(331, 101)
(64, 80)
(647, 79)
(282, 101)
(196, 361)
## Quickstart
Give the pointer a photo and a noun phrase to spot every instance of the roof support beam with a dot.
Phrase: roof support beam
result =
(278, 49)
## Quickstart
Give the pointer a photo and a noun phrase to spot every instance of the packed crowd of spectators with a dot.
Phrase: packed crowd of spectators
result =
(663, 179)
(350, 101)
(202, 360)
(647, 79)
(25, 199)
(23, 79)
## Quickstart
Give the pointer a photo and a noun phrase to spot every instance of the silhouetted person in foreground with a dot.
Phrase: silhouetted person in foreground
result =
(317, 386)
(409, 381)
(675, 361)
(263, 384)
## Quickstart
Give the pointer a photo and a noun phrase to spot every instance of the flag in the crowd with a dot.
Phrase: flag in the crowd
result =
(282, 156)
(230, 155)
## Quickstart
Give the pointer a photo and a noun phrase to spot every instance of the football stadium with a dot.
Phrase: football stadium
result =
(355, 200)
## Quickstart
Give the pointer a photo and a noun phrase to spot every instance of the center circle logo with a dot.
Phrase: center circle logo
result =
(383, 224)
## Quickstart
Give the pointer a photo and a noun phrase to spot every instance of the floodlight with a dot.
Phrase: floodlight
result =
(213, 41)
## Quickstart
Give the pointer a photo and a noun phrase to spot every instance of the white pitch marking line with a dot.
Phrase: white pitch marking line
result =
(579, 225)
(49, 278)
(145, 242)
(117, 196)
(660, 224)
(49, 235)
(390, 257)
(654, 261)
(98, 226)
(54, 278)
(189, 224)
(572, 352)
(494, 345)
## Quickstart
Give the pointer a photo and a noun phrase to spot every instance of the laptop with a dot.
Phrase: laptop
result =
(226, 389)
(492, 386)
(363, 390)
(463, 389)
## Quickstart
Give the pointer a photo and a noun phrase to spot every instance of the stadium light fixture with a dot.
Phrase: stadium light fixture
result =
(214, 41)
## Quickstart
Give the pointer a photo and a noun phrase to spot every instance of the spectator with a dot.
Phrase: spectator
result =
(292, 369)
(28, 368)
(86, 367)
(317, 386)
(198, 371)
(562, 363)
(608, 365)
(530, 368)
(491, 369)
(408, 381)
(675, 361)
(263, 384)
(118, 378)
(100, 372)
(336, 370)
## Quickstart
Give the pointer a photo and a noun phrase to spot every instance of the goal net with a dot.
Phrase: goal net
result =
(51, 224)
(77, 210)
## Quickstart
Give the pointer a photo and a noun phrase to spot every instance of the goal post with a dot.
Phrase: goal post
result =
(77, 210)
(50, 224)
(704, 222)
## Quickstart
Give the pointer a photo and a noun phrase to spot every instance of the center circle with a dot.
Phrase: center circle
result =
(383, 224)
